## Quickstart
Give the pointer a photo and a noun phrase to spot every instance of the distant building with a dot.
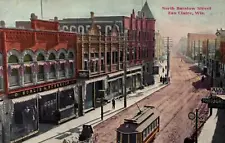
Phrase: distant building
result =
(194, 42)
(159, 46)
(221, 44)
(182, 45)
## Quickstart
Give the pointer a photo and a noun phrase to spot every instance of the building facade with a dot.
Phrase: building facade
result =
(103, 59)
(140, 43)
(38, 70)
(194, 43)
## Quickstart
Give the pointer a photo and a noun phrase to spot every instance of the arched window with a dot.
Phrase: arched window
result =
(27, 69)
(14, 78)
(13, 72)
(40, 57)
(52, 73)
(73, 28)
(70, 55)
(13, 59)
(51, 57)
(52, 70)
(62, 56)
(41, 71)
(27, 58)
(81, 29)
(62, 71)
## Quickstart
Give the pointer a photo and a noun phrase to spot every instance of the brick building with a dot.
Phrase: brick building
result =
(195, 41)
(38, 70)
(159, 46)
(139, 28)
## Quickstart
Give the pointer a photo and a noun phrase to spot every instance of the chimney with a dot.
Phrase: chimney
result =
(33, 16)
(92, 16)
(2, 23)
(55, 18)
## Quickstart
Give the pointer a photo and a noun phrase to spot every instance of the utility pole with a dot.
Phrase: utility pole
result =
(168, 55)
(125, 70)
(213, 65)
(102, 94)
(207, 54)
(196, 126)
(41, 10)
(194, 51)
(199, 58)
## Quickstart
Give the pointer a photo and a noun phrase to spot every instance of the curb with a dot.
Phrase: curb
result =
(162, 87)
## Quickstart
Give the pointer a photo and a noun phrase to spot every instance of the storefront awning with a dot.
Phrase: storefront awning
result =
(134, 68)
(115, 74)
(221, 96)
(24, 98)
(131, 74)
(96, 79)
(55, 90)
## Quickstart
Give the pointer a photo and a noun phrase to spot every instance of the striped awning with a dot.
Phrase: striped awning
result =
(62, 61)
(41, 63)
(15, 66)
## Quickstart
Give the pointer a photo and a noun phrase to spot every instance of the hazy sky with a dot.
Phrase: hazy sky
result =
(175, 26)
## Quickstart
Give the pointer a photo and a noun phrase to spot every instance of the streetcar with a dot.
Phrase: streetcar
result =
(142, 128)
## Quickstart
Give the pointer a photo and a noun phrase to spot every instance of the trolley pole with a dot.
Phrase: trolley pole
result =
(196, 127)
(125, 70)
(102, 94)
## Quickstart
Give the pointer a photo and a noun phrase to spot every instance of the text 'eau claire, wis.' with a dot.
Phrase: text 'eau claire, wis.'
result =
(186, 10)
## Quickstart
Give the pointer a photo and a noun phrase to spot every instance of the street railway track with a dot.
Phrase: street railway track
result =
(170, 101)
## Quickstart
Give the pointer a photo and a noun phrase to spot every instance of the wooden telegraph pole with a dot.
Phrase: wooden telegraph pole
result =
(125, 71)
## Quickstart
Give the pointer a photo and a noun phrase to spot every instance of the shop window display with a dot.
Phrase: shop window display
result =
(25, 119)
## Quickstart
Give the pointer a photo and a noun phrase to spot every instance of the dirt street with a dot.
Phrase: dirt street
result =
(173, 102)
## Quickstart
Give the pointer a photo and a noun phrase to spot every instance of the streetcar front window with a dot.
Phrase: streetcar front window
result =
(118, 137)
(133, 138)
(125, 138)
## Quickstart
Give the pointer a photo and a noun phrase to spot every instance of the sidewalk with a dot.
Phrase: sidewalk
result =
(214, 128)
(72, 128)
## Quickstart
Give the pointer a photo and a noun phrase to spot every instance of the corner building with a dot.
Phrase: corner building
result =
(140, 30)
(39, 75)
(103, 58)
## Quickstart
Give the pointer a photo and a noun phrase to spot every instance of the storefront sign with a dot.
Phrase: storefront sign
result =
(84, 74)
(214, 102)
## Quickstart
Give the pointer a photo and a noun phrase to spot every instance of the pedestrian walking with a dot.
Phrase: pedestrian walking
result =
(113, 103)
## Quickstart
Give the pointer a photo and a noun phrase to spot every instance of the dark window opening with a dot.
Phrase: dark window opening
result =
(102, 65)
(108, 58)
(85, 65)
(121, 56)
(116, 56)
